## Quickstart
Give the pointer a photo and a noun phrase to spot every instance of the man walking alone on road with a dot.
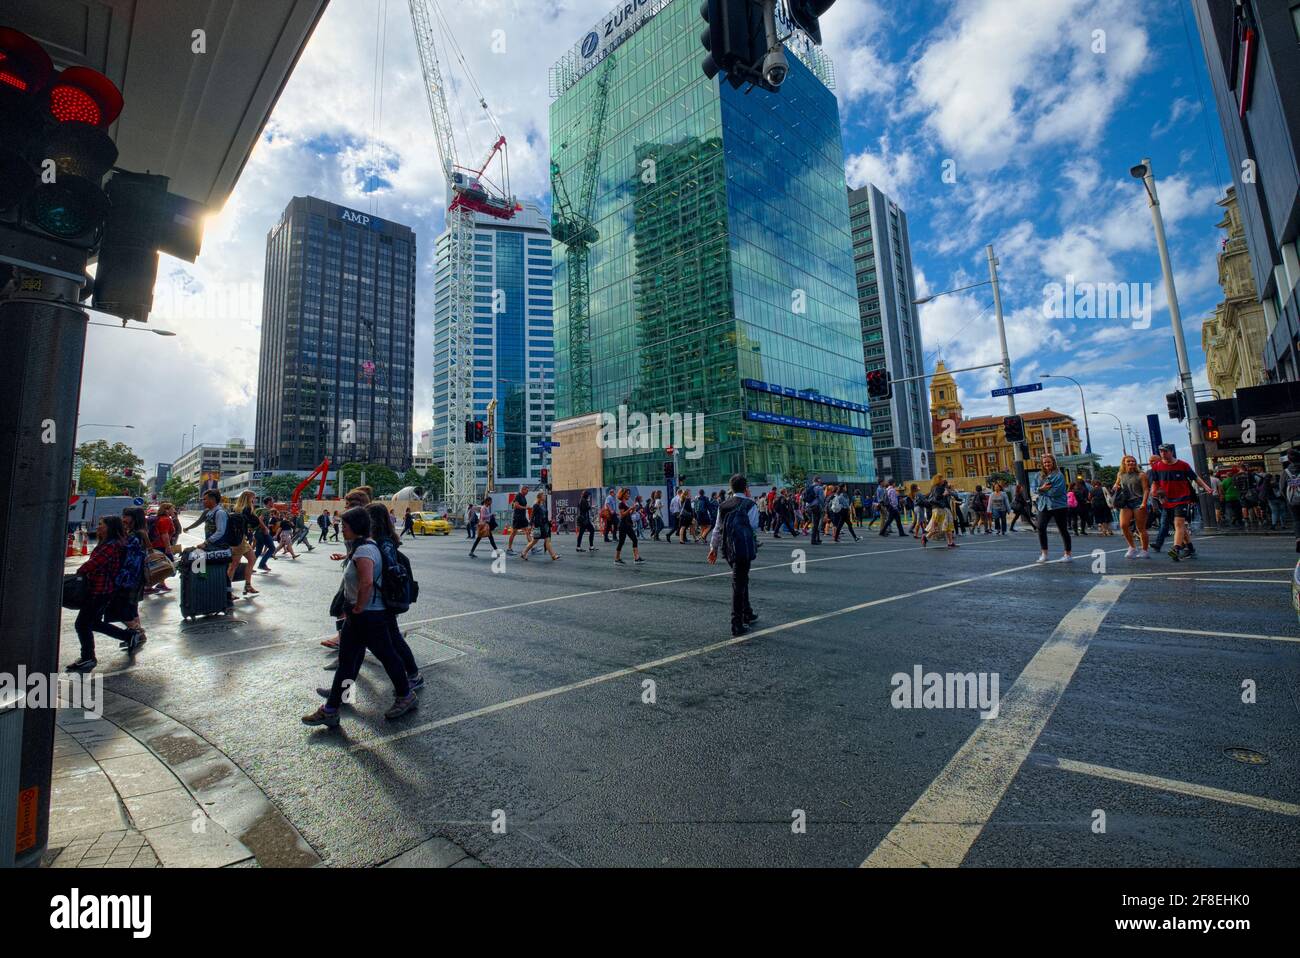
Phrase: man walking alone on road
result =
(813, 502)
(735, 532)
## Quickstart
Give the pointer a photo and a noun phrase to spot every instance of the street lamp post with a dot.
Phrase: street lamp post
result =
(1087, 431)
(1118, 428)
(1144, 172)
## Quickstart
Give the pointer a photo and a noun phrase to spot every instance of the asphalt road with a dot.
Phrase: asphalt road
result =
(1111, 745)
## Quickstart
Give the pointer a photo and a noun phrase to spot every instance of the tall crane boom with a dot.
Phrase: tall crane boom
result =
(458, 467)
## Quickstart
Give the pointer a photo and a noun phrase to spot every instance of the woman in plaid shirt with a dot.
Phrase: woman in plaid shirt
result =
(100, 572)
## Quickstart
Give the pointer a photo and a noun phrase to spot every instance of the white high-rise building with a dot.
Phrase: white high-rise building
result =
(514, 345)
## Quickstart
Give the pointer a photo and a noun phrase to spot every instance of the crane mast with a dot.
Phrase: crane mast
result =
(459, 461)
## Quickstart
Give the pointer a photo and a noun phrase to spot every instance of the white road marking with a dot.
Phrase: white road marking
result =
(1217, 635)
(1169, 785)
(1193, 572)
(678, 657)
(1200, 578)
(942, 825)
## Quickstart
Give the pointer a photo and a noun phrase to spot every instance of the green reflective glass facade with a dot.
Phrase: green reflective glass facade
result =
(724, 254)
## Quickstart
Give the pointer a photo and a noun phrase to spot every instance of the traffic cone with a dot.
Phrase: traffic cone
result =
(71, 550)
(84, 539)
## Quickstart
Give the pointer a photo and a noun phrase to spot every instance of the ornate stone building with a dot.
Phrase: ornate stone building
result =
(968, 451)
(1233, 339)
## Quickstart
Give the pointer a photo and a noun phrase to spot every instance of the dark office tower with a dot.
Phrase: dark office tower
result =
(336, 369)
(891, 335)
(1252, 48)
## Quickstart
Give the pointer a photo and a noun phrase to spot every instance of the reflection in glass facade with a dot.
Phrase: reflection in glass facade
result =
(724, 255)
(336, 368)
(513, 343)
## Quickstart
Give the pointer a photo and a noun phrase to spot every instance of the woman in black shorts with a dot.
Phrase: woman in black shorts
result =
(626, 529)
(487, 522)
(541, 529)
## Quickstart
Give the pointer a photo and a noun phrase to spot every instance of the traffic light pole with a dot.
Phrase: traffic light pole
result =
(1199, 459)
(1022, 477)
(45, 341)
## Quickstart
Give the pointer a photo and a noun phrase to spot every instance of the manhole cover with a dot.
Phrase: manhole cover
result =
(1247, 756)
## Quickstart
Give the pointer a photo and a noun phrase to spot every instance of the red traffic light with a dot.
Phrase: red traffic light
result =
(24, 64)
(80, 95)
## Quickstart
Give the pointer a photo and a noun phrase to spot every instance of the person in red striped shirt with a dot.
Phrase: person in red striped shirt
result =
(1175, 484)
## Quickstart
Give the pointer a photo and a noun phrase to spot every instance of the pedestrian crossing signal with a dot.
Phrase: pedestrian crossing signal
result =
(878, 384)
(668, 469)
(1209, 429)
(1014, 427)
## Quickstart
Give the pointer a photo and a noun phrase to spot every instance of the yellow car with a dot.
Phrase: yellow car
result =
(431, 524)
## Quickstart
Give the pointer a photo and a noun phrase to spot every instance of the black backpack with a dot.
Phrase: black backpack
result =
(236, 529)
(397, 583)
(738, 536)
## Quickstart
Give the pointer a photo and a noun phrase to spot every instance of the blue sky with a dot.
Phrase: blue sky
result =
(1035, 115)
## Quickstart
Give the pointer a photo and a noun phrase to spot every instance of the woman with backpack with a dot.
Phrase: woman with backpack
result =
(941, 513)
(384, 532)
(359, 604)
(685, 514)
(125, 607)
(1021, 507)
(487, 522)
(541, 531)
(101, 573)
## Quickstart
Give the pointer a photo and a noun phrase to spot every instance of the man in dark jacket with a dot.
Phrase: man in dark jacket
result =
(742, 615)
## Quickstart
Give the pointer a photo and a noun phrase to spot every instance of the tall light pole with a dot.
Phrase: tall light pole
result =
(1087, 431)
(1018, 447)
(1144, 172)
(1119, 428)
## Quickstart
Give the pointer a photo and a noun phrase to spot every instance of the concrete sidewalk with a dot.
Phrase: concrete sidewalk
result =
(134, 788)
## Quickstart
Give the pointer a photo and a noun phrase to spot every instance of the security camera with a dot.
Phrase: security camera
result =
(1139, 172)
(775, 67)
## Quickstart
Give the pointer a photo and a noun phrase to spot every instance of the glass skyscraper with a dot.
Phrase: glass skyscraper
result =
(721, 279)
(336, 370)
(514, 344)
(891, 335)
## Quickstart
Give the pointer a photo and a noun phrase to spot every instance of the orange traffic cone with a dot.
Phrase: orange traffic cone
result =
(84, 539)
(71, 549)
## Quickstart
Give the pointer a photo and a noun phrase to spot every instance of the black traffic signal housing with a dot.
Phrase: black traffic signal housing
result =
(480, 431)
(806, 13)
(470, 431)
(879, 385)
(1209, 429)
(669, 471)
(144, 220)
(54, 145)
(1177, 407)
(736, 40)
(1014, 428)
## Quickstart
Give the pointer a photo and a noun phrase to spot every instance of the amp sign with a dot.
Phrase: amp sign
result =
(361, 219)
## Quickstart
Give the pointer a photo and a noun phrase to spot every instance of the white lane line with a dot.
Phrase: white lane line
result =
(1217, 635)
(1194, 572)
(667, 660)
(942, 825)
(1199, 578)
(1169, 785)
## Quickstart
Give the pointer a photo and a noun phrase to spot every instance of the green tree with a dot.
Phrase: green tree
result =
(1107, 475)
(434, 483)
(796, 477)
(381, 479)
(412, 478)
(179, 492)
(281, 486)
(117, 461)
(96, 481)
(1006, 478)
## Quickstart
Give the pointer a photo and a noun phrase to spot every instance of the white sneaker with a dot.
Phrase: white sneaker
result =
(1142, 554)
(1130, 553)
(1042, 558)
(1067, 557)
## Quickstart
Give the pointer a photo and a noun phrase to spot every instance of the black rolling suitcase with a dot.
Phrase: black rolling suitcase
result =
(204, 593)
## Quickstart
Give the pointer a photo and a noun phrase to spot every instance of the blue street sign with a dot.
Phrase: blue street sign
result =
(1016, 390)
(137, 501)
(1153, 427)
(547, 445)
